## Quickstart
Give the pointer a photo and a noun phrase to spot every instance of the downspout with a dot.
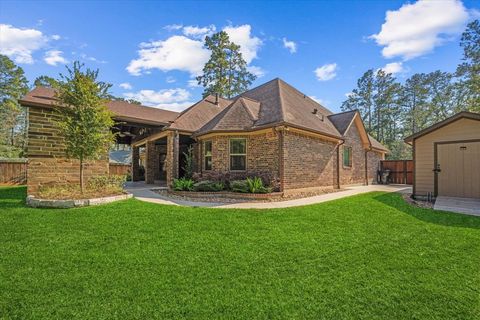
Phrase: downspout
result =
(338, 163)
(366, 164)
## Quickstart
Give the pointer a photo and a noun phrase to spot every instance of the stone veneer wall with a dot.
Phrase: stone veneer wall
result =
(309, 162)
(47, 164)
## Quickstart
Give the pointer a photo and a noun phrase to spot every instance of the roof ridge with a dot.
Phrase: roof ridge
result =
(282, 107)
(335, 114)
(304, 95)
(252, 117)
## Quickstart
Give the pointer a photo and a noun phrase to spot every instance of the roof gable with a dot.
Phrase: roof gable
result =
(199, 114)
(240, 115)
(438, 125)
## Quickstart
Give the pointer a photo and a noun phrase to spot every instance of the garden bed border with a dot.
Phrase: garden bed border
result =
(65, 204)
(227, 195)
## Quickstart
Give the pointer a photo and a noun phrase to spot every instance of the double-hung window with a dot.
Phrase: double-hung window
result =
(207, 155)
(238, 154)
(347, 156)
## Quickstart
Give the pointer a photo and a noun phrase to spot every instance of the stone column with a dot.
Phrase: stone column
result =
(150, 157)
(172, 156)
(135, 163)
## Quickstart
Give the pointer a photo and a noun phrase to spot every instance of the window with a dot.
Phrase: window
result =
(207, 155)
(238, 154)
(347, 156)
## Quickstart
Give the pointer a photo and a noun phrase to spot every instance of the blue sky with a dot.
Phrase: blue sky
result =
(151, 51)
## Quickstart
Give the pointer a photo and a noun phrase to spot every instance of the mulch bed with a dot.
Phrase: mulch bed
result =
(292, 196)
(417, 203)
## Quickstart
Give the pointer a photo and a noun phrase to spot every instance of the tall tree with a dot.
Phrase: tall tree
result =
(361, 98)
(85, 121)
(13, 85)
(469, 70)
(45, 81)
(415, 95)
(226, 71)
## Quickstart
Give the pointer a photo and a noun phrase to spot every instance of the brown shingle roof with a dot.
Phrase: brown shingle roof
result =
(279, 103)
(42, 96)
(342, 120)
(196, 116)
(240, 115)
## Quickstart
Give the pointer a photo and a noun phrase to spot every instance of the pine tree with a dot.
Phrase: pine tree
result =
(469, 70)
(13, 85)
(45, 81)
(226, 71)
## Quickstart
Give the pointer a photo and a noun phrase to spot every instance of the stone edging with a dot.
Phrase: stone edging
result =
(228, 195)
(44, 203)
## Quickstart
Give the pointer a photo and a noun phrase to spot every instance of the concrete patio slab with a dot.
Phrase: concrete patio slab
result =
(469, 206)
(143, 192)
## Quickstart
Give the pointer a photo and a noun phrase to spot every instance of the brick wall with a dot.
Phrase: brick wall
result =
(262, 153)
(47, 163)
(356, 173)
(309, 162)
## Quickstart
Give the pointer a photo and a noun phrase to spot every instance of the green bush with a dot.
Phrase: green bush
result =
(250, 185)
(209, 186)
(239, 186)
(183, 184)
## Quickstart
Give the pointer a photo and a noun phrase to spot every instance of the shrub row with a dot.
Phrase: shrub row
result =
(219, 182)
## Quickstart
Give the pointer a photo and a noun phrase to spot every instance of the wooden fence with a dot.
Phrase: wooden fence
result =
(13, 171)
(401, 171)
(119, 169)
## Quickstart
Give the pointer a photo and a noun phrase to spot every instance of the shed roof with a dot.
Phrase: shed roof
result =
(438, 125)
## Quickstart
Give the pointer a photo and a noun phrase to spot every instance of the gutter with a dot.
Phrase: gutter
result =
(338, 163)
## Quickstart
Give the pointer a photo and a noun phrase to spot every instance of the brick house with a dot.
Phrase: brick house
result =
(273, 128)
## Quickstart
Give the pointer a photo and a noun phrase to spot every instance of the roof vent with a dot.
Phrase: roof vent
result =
(216, 98)
(315, 111)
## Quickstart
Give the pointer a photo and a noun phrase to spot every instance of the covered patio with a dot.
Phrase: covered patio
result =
(159, 158)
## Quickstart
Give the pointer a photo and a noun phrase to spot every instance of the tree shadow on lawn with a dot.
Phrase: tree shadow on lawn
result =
(443, 218)
(12, 197)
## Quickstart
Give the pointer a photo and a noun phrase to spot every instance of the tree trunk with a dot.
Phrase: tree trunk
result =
(81, 176)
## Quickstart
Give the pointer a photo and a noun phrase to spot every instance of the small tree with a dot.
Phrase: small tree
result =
(226, 71)
(84, 121)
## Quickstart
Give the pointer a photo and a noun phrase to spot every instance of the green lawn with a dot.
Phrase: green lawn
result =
(365, 257)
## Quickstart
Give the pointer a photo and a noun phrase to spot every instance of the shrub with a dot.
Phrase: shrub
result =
(255, 185)
(239, 186)
(188, 163)
(183, 184)
(209, 186)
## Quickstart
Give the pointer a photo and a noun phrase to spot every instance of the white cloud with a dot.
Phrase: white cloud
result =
(198, 32)
(249, 45)
(192, 83)
(187, 53)
(56, 37)
(54, 57)
(416, 29)
(169, 99)
(19, 44)
(259, 72)
(170, 80)
(125, 85)
(290, 45)
(326, 72)
(175, 53)
(173, 27)
(90, 58)
(394, 67)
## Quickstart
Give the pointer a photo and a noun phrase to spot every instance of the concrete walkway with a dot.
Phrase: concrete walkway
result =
(461, 205)
(143, 192)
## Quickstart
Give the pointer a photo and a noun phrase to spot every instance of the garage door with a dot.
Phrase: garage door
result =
(459, 165)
